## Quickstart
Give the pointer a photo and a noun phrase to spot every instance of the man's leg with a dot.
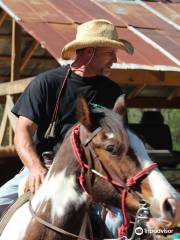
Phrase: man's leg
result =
(113, 219)
(9, 191)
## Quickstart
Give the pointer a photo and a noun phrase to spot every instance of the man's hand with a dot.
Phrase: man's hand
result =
(36, 177)
(23, 139)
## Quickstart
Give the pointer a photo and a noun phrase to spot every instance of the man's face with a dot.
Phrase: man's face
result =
(103, 60)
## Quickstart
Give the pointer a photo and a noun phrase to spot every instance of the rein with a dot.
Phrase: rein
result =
(52, 227)
(131, 181)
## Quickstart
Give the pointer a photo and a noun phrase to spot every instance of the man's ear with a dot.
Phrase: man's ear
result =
(120, 106)
(83, 112)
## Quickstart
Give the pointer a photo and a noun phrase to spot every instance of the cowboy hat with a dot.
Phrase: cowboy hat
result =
(96, 33)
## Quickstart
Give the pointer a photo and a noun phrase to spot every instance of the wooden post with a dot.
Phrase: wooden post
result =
(3, 124)
(15, 51)
(15, 61)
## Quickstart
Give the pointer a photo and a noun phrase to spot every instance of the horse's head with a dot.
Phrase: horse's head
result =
(106, 145)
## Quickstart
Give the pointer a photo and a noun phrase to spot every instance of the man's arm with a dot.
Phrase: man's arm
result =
(23, 141)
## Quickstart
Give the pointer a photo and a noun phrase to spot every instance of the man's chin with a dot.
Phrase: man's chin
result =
(106, 72)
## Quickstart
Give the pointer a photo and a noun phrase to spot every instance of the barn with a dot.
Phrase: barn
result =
(32, 34)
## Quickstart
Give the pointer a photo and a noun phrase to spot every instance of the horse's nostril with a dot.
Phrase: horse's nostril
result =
(169, 207)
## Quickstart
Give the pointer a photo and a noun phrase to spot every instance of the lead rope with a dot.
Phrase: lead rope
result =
(122, 231)
(51, 128)
(77, 153)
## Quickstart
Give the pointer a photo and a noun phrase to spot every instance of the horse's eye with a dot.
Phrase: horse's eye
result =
(112, 149)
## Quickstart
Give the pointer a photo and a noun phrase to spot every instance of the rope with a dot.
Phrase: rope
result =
(73, 138)
(12, 209)
(122, 231)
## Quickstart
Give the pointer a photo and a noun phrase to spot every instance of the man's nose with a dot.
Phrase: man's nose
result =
(114, 58)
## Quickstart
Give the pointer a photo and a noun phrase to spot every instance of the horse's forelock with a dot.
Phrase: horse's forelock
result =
(110, 121)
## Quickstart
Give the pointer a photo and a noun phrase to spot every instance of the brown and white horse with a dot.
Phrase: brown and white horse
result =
(95, 164)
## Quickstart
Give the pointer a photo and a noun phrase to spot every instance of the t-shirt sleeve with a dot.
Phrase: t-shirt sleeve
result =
(31, 103)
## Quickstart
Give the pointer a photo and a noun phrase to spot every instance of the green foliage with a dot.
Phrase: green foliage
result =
(172, 118)
(134, 115)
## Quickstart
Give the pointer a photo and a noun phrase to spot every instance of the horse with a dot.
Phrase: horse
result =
(95, 164)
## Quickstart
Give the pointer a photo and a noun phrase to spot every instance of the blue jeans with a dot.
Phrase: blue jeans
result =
(113, 220)
(9, 191)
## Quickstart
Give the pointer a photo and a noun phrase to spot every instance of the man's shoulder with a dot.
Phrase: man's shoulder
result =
(52, 76)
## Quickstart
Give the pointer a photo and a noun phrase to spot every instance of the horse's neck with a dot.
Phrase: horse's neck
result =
(60, 193)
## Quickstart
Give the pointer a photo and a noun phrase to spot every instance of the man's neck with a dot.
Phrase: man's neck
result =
(82, 70)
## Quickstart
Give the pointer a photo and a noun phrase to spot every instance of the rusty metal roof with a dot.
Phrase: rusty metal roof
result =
(53, 23)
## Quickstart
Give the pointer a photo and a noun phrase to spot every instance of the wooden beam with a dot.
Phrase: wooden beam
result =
(3, 16)
(7, 151)
(28, 55)
(14, 87)
(7, 58)
(4, 58)
(136, 91)
(11, 116)
(9, 36)
(156, 102)
(174, 94)
(4, 78)
(3, 124)
(139, 77)
(15, 51)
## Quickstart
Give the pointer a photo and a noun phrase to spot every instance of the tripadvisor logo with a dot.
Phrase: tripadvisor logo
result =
(139, 231)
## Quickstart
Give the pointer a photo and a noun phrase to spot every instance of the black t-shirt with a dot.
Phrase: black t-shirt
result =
(38, 101)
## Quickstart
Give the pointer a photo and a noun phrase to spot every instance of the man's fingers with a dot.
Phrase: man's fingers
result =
(37, 183)
(35, 180)
(43, 176)
(31, 184)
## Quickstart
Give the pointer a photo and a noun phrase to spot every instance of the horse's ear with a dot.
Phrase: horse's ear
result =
(83, 112)
(120, 105)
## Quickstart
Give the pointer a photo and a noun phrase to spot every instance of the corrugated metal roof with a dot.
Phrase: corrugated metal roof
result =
(134, 14)
(53, 23)
(170, 10)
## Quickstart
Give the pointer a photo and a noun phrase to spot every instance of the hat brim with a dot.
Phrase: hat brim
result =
(69, 49)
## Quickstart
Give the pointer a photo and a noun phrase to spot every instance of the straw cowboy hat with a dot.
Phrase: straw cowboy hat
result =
(96, 33)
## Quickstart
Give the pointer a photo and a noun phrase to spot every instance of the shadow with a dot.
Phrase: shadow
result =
(9, 166)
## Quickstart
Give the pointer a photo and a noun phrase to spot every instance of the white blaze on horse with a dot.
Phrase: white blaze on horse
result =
(95, 164)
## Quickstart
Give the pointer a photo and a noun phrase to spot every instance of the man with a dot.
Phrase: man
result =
(50, 99)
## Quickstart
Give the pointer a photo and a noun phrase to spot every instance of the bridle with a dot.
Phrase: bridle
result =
(125, 187)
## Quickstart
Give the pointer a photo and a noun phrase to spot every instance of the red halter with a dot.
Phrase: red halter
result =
(131, 181)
